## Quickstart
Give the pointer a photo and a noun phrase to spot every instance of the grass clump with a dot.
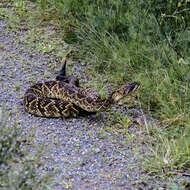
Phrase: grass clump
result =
(17, 171)
(147, 41)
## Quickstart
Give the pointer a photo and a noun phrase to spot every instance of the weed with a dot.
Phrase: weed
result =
(16, 170)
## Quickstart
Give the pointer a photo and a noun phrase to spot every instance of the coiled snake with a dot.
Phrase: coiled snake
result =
(64, 97)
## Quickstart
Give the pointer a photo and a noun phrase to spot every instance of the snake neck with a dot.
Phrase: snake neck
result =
(113, 98)
(108, 102)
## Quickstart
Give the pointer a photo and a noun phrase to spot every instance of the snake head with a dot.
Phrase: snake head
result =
(125, 90)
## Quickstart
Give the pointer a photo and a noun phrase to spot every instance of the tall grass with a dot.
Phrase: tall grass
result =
(147, 41)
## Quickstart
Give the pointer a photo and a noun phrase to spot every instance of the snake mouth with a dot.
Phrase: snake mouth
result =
(131, 87)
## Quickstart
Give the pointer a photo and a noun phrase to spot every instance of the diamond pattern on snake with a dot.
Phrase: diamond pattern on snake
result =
(65, 98)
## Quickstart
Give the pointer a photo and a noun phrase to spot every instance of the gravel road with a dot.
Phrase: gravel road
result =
(82, 153)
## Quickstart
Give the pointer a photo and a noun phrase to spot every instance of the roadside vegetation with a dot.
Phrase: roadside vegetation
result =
(18, 169)
(146, 41)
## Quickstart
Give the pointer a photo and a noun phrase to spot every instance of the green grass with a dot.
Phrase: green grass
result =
(147, 41)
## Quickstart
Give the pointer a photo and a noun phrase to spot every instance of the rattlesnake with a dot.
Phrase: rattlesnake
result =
(64, 97)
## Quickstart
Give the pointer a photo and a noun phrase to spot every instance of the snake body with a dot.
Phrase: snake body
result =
(64, 97)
